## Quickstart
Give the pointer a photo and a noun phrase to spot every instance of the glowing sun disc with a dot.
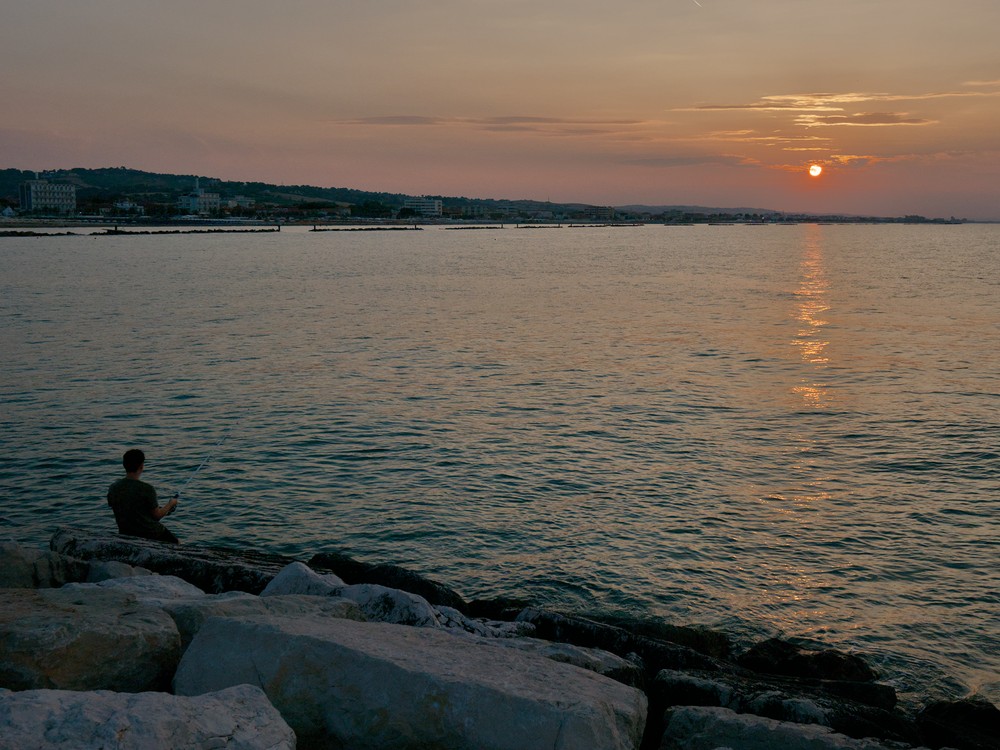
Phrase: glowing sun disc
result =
(815, 170)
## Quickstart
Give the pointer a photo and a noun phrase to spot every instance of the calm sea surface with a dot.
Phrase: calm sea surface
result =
(776, 430)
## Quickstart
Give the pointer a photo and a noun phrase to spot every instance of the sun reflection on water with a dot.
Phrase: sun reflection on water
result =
(811, 303)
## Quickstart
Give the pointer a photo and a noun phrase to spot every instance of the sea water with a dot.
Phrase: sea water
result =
(776, 430)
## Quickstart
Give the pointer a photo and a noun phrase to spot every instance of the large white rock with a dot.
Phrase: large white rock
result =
(190, 614)
(381, 604)
(98, 639)
(104, 570)
(151, 589)
(340, 683)
(299, 578)
(709, 728)
(239, 718)
(378, 603)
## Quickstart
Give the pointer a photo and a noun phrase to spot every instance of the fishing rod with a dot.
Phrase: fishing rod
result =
(225, 436)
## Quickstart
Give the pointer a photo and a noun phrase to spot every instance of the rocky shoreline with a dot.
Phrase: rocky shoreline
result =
(115, 642)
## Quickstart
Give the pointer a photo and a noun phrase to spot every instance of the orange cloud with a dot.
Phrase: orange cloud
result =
(862, 119)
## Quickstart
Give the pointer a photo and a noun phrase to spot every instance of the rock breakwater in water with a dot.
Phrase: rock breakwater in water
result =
(114, 642)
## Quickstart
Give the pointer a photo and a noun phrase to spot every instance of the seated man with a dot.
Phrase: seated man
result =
(134, 502)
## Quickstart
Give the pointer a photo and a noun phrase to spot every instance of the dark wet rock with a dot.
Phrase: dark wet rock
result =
(703, 728)
(655, 654)
(500, 608)
(391, 576)
(704, 640)
(782, 699)
(777, 656)
(212, 569)
(969, 724)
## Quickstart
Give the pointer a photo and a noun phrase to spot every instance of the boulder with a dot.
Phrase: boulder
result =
(297, 578)
(98, 639)
(101, 570)
(782, 699)
(777, 656)
(656, 654)
(190, 614)
(378, 603)
(28, 568)
(152, 589)
(704, 728)
(592, 659)
(391, 576)
(238, 718)
(969, 724)
(340, 683)
(381, 604)
(212, 569)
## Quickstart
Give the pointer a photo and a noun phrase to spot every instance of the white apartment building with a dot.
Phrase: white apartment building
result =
(424, 206)
(42, 195)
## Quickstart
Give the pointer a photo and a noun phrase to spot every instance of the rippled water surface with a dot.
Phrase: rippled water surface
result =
(785, 430)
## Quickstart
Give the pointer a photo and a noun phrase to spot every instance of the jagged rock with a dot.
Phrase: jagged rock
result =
(776, 656)
(340, 683)
(704, 728)
(703, 640)
(391, 576)
(655, 654)
(969, 724)
(238, 718)
(27, 568)
(784, 699)
(189, 615)
(297, 578)
(101, 570)
(98, 639)
(211, 569)
(381, 604)
(452, 619)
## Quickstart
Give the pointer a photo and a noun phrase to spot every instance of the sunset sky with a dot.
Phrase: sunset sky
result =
(710, 102)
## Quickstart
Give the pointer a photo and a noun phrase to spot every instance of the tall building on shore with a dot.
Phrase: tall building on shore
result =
(423, 206)
(42, 195)
(199, 201)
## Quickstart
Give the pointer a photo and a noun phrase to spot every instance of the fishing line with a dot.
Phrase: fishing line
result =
(208, 458)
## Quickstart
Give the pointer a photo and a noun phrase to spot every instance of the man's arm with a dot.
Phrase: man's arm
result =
(166, 510)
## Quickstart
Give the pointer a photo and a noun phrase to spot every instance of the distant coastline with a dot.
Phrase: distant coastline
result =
(120, 195)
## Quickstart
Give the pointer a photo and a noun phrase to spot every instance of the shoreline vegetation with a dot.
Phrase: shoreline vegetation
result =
(254, 650)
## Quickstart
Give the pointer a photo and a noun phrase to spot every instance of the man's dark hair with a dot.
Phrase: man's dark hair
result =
(133, 460)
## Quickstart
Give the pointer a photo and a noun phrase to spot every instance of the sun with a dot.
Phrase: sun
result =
(815, 170)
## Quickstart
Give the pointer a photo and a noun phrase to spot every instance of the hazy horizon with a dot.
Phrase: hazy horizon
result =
(713, 103)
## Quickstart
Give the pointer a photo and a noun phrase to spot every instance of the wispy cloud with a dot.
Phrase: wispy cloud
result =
(552, 126)
(834, 102)
(862, 119)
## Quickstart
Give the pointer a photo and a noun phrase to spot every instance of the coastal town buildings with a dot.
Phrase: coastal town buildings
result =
(423, 206)
(199, 202)
(45, 196)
